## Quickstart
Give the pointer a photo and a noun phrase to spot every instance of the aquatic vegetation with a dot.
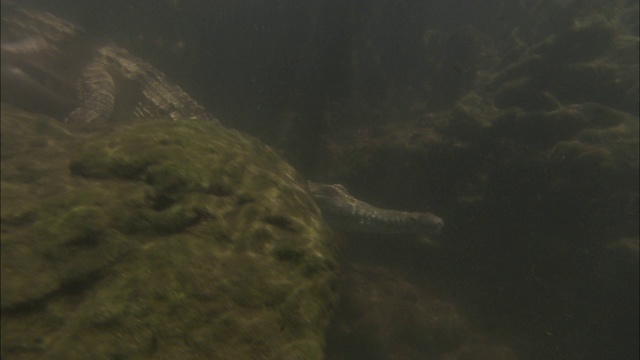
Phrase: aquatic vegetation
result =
(130, 241)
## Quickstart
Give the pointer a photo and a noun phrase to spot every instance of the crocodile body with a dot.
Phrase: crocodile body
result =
(39, 47)
(46, 60)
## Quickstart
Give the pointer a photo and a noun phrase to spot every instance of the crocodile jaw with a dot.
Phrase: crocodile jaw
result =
(341, 210)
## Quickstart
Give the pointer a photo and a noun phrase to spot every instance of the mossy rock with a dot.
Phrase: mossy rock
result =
(157, 239)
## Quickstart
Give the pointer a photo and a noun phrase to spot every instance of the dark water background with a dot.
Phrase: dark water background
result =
(443, 106)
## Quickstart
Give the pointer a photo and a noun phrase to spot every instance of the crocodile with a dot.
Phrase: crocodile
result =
(43, 55)
(343, 211)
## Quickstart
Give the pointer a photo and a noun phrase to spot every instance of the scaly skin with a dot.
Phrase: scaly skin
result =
(343, 211)
(37, 45)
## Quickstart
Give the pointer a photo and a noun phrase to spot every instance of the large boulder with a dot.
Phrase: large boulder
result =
(157, 239)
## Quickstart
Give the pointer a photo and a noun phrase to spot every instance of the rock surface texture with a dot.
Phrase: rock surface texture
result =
(159, 240)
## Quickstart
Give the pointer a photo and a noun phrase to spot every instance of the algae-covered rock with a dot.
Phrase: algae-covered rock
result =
(157, 239)
(398, 319)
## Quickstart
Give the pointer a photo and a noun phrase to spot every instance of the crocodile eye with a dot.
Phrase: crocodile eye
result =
(330, 191)
(339, 188)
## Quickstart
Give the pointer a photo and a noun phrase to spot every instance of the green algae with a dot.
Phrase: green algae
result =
(157, 239)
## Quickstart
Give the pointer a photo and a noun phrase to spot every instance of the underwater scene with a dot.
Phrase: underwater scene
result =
(320, 179)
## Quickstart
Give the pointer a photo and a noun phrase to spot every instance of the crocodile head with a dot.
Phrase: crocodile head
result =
(341, 210)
